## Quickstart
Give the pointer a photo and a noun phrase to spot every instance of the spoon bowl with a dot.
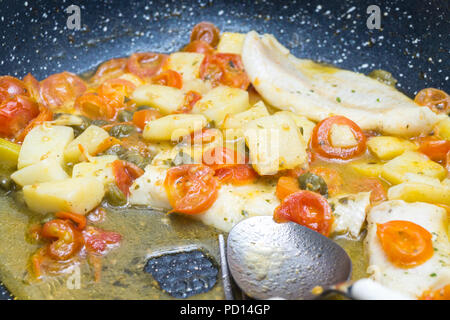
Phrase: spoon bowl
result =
(283, 260)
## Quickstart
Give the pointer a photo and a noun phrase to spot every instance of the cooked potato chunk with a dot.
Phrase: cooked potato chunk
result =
(306, 126)
(275, 143)
(235, 122)
(164, 98)
(173, 126)
(9, 154)
(91, 139)
(185, 63)
(43, 171)
(77, 195)
(221, 101)
(342, 136)
(43, 142)
(231, 42)
(411, 162)
(367, 168)
(99, 168)
(443, 128)
(420, 192)
(196, 85)
(387, 148)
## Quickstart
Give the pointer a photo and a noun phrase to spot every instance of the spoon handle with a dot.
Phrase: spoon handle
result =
(367, 289)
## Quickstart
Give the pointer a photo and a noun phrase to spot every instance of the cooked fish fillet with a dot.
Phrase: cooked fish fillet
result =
(317, 92)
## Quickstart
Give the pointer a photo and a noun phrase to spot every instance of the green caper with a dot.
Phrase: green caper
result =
(116, 150)
(136, 158)
(182, 158)
(114, 196)
(99, 123)
(78, 129)
(313, 182)
(7, 184)
(384, 77)
(125, 116)
(122, 130)
(19, 198)
(143, 108)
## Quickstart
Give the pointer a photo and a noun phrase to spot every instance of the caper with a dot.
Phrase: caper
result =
(312, 182)
(99, 123)
(384, 77)
(143, 108)
(136, 158)
(122, 130)
(125, 116)
(116, 150)
(78, 129)
(19, 198)
(7, 184)
(114, 196)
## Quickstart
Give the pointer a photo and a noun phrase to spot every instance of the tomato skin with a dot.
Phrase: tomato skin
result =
(286, 185)
(60, 90)
(374, 185)
(95, 107)
(439, 294)
(308, 209)
(435, 149)
(125, 173)
(238, 175)
(405, 243)
(437, 100)
(146, 64)
(33, 86)
(199, 46)
(321, 144)
(141, 117)
(190, 99)
(79, 219)
(44, 115)
(114, 91)
(169, 78)
(206, 31)
(99, 242)
(11, 87)
(191, 188)
(15, 114)
(67, 240)
(221, 157)
(226, 69)
(110, 69)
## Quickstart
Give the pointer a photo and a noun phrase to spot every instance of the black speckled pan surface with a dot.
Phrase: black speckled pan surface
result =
(413, 44)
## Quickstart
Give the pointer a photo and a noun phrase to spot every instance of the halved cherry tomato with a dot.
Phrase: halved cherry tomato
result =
(296, 172)
(374, 185)
(60, 90)
(439, 294)
(237, 175)
(321, 142)
(435, 149)
(169, 78)
(125, 173)
(15, 114)
(95, 107)
(191, 188)
(67, 240)
(436, 100)
(206, 31)
(224, 68)
(114, 91)
(286, 185)
(110, 69)
(199, 46)
(306, 208)
(99, 242)
(203, 136)
(190, 98)
(44, 115)
(141, 117)
(11, 87)
(146, 64)
(36, 262)
(79, 219)
(332, 178)
(405, 243)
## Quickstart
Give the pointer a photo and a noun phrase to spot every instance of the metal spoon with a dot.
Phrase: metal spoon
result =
(271, 260)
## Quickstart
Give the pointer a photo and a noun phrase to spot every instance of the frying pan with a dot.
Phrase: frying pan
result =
(413, 42)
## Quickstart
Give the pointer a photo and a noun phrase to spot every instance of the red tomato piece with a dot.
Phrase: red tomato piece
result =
(286, 186)
(96, 107)
(146, 64)
(60, 90)
(67, 240)
(99, 242)
(405, 243)
(207, 32)
(141, 117)
(125, 173)
(438, 294)
(435, 149)
(239, 174)
(44, 115)
(436, 100)
(11, 87)
(169, 78)
(308, 209)
(321, 143)
(190, 98)
(226, 69)
(15, 114)
(79, 219)
(199, 46)
(191, 188)
(110, 69)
